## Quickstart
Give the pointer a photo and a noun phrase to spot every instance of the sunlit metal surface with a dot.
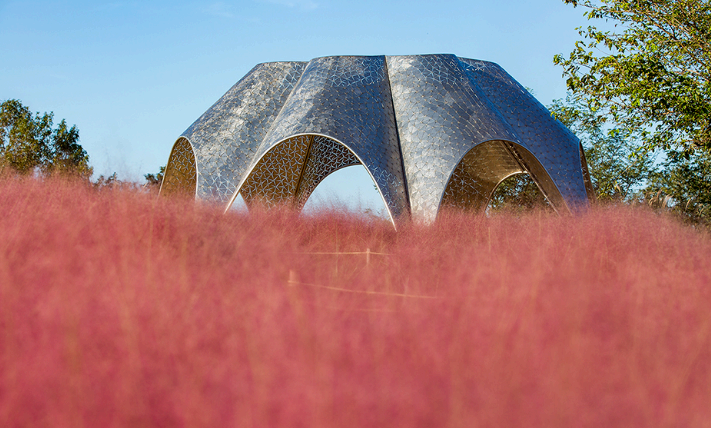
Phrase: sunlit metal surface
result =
(325, 157)
(431, 130)
(226, 137)
(475, 178)
(547, 144)
(180, 174)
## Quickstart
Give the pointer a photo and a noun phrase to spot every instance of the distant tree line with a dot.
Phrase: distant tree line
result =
(31, 144)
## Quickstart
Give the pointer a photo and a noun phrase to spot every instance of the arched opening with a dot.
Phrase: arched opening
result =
(238, 204)
(482, 169)
(291, 171)
(350, 189)
(181, 171)
(517, 193)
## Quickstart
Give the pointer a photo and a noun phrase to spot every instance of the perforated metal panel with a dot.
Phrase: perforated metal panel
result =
(477, 175)
(325, 157)
(180, 174)
(347, 99)
(431, 130)
(546, 139)
(226, 137)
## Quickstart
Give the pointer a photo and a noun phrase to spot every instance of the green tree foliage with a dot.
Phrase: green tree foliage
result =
(153, 181)
(648, 71)
(109, 182)
(518, 193)
(30, 143)
(684, 185)
(616, 171)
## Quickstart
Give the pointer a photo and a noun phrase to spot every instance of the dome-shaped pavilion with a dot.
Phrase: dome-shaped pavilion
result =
(431, 130)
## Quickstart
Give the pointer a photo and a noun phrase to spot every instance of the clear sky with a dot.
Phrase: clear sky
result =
(133, 75)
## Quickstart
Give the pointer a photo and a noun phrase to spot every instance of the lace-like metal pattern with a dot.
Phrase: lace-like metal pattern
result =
(227, 136)
(441, 116)
(477, 175)
(275, 178)
(325, 157)
(547, 140)
(180, 175)
(292, 169)
(347, 99)
(431, 130)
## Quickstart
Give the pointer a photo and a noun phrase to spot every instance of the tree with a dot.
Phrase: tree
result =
(29, 143)
(153, 181)
(651, 74)
(685, 184)
(518, 193)
(616, 172)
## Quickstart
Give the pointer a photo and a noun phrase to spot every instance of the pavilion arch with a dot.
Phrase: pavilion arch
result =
(410, 120)
(290, 171)
(481, 170)
(351, 189)
(180, 176)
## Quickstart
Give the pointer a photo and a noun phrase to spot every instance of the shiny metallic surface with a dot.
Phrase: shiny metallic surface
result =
(180, 174)
(441, 116)
(226, 137)
(347, 100)
(475, 178)
(325, 157)
(548, 141)
(431, 130)
(275, 178)
(292, 169)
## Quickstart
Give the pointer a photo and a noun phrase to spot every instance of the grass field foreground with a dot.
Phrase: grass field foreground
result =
(121, 310)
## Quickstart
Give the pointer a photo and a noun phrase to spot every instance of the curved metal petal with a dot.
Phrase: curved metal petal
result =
(431, 130)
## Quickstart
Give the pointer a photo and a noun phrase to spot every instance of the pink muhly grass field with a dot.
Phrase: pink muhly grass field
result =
(118, 309)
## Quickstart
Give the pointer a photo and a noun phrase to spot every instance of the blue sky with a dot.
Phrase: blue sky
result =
(133, 75)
